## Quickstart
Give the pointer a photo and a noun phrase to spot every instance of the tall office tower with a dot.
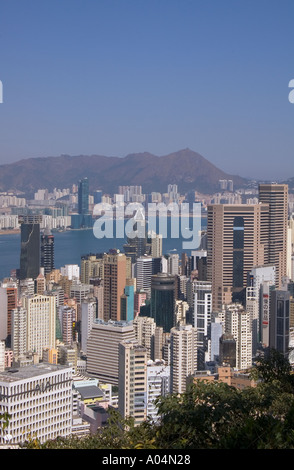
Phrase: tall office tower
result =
(91, 267)
(102, 348)
(279, 330)
(173, 264)
(19, 331)
(155, 242)
(256, 298)
(115, 275)
(144, 328)
(136, 245)
(237, 237)
(202, 310)
(238, 324)
(132, 383)
(163, 297)
(183, 352)
(158, 385)
(30, 246)
(227, 350)
(66, 319)
(127, 301)
(215, 332)
(38, 399)
(41, 322)
(276, 196)
(83, 196)
(47, 251)
(88, 316)
(8, 301)
(143, 273)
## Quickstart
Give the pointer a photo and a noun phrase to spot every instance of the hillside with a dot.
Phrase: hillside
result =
(186, 168)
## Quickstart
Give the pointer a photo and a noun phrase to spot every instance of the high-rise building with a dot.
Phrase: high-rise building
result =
(279, 328)
(83, 196)
(19, 331)
(127, 301)
(30, 246)
(237, 240)
(132, 384)
(276, 197)
(8, 302)
(102, 349)
(41, 322)
(47, 251)
(227, 350)
(158, 385)
(163, 297)
(38, 399)
(144, 328)
(115, 275)
(183, 351)
(238, 324)
(92, 266)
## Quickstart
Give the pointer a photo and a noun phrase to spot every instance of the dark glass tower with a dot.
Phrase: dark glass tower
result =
(30, 246)
(47, 251)
(83, 196)
(163, 297)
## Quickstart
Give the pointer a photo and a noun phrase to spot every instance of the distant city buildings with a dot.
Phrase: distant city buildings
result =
(122, 329)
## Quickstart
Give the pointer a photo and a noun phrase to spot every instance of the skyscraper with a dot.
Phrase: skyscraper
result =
(183, 353)
(47, 251)
(83, 196)
(30, 246)
(163, 297)
(237, 240)
(279, 328)
(132, 385)
(276, 196)
(115, 275)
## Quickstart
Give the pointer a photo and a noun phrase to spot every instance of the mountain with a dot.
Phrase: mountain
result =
(186, 168)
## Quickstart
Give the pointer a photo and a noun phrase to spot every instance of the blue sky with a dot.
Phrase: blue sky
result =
(114, 77)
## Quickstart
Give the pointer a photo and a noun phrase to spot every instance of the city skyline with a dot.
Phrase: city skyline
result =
(115, 78)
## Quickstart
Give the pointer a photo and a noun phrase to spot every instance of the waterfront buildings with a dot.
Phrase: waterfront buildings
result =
(47, 251)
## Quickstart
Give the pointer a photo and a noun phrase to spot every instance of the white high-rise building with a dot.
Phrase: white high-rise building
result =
(38, 399)
(158, 385)
(183, 356)
(102, 348)
(238, 324)
(143, 273)
(19, 331)
(173, 264)
(72, 271)
(41, 322)
(144, 328)
(132, 384)
(202, 309)
(88, 316)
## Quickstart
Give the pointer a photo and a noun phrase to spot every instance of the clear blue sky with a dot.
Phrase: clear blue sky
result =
(114, 77)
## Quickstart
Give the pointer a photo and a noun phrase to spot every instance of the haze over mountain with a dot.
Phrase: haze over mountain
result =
(186, 168)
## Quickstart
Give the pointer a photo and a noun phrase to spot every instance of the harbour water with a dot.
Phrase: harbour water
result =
(70, 245)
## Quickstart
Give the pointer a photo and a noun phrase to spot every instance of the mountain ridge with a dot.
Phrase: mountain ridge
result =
(186, 168)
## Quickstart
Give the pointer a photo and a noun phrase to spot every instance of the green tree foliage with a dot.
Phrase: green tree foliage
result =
(209, 415)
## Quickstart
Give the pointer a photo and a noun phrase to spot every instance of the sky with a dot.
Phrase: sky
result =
(114, 77)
